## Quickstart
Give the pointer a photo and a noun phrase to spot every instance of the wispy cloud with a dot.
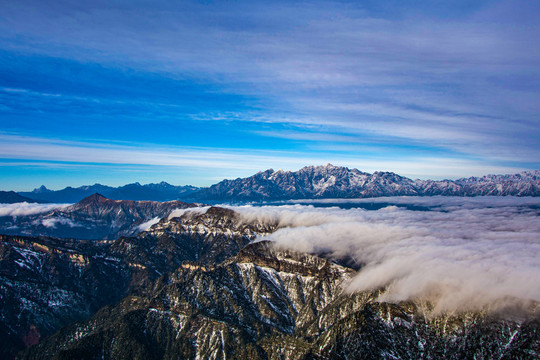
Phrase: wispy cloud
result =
(72, 153)
(148, 224)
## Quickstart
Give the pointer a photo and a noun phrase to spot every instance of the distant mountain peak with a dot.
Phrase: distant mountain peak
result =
(93, 199)
(11, 197)
(40, 189)
(310, 182)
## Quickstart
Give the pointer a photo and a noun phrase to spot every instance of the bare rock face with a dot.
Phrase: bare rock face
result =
(48, 283)
(205, 238)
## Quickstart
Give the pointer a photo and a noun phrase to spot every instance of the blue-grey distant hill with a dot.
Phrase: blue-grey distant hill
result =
(137, 192)
(11, 197)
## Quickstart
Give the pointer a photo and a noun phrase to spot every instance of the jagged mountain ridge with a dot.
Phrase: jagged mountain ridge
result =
(270, 303)
(48, 283)
(94, 217)
(316, 182)
(149, 192)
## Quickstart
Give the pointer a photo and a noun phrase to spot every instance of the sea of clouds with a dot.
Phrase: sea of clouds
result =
(464, 254)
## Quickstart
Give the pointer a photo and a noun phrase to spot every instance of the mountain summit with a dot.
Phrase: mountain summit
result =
(11, 197)
(95, 199)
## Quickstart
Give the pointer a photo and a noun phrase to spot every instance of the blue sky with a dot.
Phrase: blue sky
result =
(193, 92)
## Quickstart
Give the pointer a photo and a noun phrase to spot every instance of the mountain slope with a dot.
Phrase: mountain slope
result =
(262, 302)
(200, 236)
(46, 283)
(94, 217)
(269, 303)
(526, 183)
(310, 182)
(11, 197)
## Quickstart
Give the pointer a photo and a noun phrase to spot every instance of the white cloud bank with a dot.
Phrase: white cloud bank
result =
(194, 211)
(462, 258)
(52, 222)
(24, 208)
(148, 224)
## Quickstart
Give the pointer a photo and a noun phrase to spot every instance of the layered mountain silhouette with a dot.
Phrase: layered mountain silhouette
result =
(162, 280)
(154, 192)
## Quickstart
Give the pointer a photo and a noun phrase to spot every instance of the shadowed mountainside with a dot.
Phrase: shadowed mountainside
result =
(93, 218)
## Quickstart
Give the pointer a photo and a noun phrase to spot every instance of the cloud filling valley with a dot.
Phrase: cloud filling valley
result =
(463, 254)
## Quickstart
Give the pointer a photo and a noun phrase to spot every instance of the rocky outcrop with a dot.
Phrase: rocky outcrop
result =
(196, 286)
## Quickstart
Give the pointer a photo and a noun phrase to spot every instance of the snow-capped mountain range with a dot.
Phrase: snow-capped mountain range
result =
(310, 182)
(330, 181)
